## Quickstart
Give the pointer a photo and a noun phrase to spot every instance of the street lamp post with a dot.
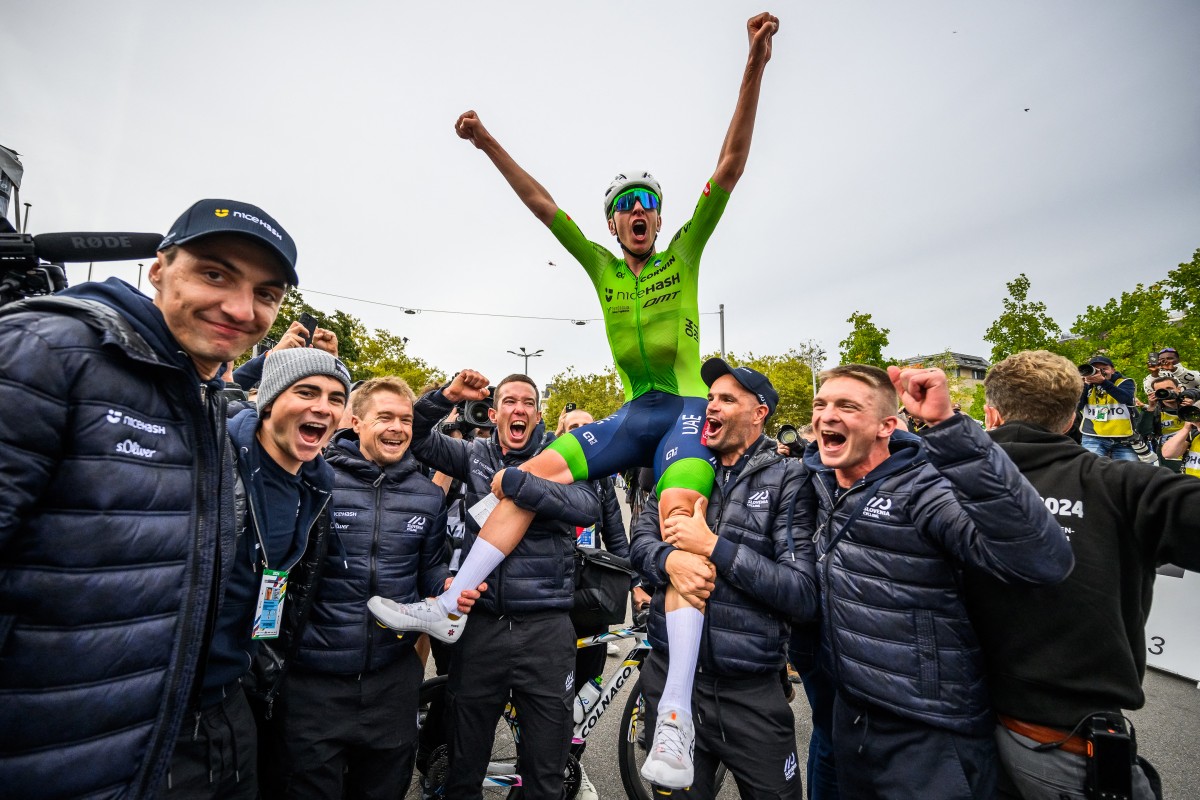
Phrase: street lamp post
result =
(526, 356)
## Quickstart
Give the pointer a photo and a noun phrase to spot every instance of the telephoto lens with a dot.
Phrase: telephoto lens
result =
(1087, 370)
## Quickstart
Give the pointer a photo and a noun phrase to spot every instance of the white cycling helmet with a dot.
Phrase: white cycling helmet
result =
(628, 180)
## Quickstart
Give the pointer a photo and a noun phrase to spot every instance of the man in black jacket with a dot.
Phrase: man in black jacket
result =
(745, 577)
(1057, 655)
(116, 492)
(520, 638)
(348, 709)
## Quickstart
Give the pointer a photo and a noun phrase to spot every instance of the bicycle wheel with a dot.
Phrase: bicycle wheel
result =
(429, 777)
(632, 744)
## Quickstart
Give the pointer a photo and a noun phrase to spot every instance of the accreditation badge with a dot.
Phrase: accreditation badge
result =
(268, 614)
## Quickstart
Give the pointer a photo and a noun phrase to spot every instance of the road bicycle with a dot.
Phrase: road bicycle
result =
(503, 778)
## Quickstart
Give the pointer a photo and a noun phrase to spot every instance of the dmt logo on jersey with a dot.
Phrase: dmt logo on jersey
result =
(415, 524)
(759, 499)
(878, 508)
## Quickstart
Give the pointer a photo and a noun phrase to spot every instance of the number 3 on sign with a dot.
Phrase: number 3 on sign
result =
(1157, 643)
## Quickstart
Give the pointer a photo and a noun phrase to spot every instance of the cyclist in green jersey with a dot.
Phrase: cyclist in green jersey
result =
(651, 318)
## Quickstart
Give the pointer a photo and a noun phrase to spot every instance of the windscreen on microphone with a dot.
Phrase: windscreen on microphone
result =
(96, 246)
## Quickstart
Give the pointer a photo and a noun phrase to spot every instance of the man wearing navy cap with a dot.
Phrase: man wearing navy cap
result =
(750, 578)
(1107, 408)
(116, 496)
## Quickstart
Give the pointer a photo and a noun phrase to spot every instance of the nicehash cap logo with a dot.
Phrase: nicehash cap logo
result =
(222, 212)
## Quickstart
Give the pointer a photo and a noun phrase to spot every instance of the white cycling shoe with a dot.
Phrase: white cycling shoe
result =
(669, 761)
(423, 616)
(587, 790)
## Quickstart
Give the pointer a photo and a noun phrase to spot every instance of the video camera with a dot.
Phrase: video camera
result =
(472, 414)
(1186, 413)
(33, 265)
(790, 435)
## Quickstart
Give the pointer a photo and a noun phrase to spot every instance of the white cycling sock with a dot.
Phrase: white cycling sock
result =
(478, 564)
(683, 640)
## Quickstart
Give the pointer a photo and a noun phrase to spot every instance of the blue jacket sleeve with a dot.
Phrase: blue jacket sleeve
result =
(1123, 392)
(575, 503)
(434, 448)
(31, 442)
(787, 582)
(647, 551)
(251, 372)
(985, 512)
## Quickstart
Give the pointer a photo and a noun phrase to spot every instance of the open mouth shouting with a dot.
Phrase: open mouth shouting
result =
(831, 443)
(313, 433)
(712, 429)
(517, 431)
(640, 228)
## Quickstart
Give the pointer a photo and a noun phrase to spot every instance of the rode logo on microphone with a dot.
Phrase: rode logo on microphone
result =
(93, 242)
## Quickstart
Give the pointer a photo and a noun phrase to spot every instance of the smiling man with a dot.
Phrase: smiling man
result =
(755, 578)
(282, 493)
(347, 713)
(115, 497)
(520, 639)
(900, 523)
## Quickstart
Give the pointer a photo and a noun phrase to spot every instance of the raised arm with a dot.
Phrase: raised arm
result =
(736, 147)
(532, 193)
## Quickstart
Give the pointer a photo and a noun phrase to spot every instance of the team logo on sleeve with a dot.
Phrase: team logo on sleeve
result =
(707, 188)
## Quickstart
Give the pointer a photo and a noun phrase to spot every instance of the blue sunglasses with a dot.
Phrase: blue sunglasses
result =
(625, 200)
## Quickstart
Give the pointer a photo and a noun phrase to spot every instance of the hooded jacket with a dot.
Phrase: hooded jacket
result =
(1057, 653)
(894, 552)
(539, 575)
(232, 651)
(765, 575)
(390, 525)
(115, 489)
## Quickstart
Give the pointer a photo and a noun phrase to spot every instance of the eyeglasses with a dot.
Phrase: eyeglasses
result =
(625, 200)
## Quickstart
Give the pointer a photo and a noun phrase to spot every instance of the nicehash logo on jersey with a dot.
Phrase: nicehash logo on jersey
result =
(415, 524)
(759, 499)
(878, 508)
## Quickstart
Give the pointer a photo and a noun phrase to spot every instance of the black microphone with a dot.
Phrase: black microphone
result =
(96, 246)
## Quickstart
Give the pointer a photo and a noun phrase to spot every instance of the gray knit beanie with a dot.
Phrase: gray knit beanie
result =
(284, 367)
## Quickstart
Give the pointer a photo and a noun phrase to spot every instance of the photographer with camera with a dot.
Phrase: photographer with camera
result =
(1164, 408)
(1183, 444)
(520, 639)
(1059, 656)
(1106, 402)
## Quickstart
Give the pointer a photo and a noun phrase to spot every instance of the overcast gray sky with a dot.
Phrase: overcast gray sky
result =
(895, 169)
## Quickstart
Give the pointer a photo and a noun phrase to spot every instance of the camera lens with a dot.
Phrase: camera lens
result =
(1087, 370)
(788, 434)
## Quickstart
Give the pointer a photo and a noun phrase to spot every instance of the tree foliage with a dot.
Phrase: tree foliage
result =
(1182, 288)
(599, 394)
(865, 343)
(1125, 329)
(1023, 325)
(791, 376)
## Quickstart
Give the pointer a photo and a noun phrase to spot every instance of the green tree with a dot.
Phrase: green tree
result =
(1182, 288)
(791, 376)
(1125, 329)
(865, 343)
(1023, 325)
(599, 394)
(385, 353)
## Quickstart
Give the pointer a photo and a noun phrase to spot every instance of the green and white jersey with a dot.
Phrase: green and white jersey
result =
(653, 319)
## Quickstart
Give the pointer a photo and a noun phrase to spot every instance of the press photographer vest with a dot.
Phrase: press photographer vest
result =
(1168, 422)
(1104, 416)
(1191, 459)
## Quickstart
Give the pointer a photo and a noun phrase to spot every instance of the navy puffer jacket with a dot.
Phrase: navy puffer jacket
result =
(390, 531)
(895, 624)
(115, 488)
(539, 575)
(765, 575)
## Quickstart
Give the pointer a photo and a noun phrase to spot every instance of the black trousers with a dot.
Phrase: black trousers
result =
(360, 727)
(882, 755)
(533, 657)
(744, 723)
(216, 753)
